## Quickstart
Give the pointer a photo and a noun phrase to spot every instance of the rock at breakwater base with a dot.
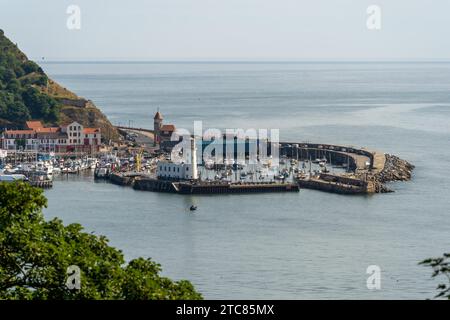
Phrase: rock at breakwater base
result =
(395, 169)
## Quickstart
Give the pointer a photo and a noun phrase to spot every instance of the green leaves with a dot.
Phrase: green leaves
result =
(35, 255)
(142, 282)
(441, 267)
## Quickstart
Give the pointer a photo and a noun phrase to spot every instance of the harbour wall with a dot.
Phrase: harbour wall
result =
(223, 188)
(357, 159)
(146, 183)
(338, 184)
(149, 184)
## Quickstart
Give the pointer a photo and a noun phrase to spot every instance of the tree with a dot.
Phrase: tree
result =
(40, 105)
(30, 66)
(35, 255)
(12, 109)
(441, 266)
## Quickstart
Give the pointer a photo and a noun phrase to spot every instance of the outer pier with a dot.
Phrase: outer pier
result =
(368, 170)
(337, 184)
(148, 183)
(219, 188)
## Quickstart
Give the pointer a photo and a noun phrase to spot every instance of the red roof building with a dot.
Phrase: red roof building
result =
(162, 132)
(65, 138)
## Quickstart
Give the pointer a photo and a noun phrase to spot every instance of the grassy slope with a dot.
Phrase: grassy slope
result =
(89, 116)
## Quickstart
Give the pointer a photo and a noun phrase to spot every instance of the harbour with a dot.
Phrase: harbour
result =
(239, 237)
(354, 170)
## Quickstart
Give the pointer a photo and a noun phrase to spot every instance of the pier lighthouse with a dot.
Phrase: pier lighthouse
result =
(194, 159)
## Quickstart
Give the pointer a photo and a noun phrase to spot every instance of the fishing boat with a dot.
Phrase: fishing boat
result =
(44, 168)
(102, 172)
(318, 161)
(324, 170)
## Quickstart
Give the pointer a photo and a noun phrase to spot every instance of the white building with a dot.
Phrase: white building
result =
(167, 169)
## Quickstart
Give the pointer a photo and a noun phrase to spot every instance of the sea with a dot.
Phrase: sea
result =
(306, 245)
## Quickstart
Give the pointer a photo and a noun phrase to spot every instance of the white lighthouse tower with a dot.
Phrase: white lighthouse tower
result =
(194, 159)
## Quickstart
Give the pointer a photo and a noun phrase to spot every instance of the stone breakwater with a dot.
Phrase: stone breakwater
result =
(368, 171)
(395, 169)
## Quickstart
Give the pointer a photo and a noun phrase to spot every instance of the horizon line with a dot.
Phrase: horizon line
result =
(242, 61)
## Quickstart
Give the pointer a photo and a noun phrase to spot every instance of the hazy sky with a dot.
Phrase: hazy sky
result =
(229, 29)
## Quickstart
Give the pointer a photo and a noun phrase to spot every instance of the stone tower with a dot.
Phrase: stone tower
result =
(157, 124)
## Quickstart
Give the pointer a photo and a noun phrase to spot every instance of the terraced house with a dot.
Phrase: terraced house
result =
(71, 137)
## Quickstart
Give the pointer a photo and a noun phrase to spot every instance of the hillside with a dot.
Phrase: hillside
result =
(27, 93)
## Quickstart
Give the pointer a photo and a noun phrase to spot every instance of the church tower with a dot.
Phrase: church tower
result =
(157, 124)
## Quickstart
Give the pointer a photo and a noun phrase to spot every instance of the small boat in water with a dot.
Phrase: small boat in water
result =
(193, 208)
(101, 172)
(318, 161)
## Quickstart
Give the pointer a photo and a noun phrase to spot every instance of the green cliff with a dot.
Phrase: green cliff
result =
(27, 93)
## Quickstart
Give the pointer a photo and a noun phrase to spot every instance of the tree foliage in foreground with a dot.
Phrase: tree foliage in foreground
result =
(35, 255)
(441, 267)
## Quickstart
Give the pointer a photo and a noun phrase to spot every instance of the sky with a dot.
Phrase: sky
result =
(229, 29)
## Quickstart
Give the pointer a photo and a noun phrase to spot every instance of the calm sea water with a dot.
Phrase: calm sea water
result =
(278, 246)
